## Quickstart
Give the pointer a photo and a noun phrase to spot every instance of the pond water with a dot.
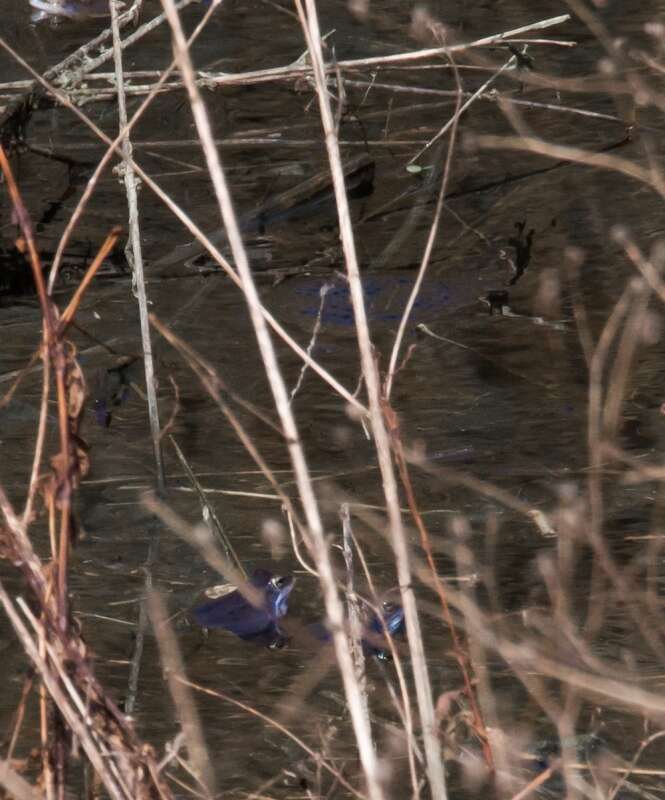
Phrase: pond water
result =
(499, 397)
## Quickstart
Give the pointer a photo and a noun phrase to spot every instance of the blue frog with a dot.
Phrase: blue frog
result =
(374, 630)
(253, 621)
(374, 638)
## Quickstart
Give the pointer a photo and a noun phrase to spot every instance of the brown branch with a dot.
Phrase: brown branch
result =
(104, 250)
(458, 649)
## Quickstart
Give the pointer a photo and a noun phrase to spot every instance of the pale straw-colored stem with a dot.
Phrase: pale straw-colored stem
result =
(137, 258)
(370, 373)
(317, 542)
(460, 110)
(174, 669)
(431, 238)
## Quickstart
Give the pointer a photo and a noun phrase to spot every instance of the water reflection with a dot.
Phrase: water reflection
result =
(68, 9)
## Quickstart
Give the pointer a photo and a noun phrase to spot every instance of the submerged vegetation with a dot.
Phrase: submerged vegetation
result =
(438, 219)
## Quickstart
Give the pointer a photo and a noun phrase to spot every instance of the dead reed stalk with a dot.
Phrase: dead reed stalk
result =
(317, 543)
(54, 645)
(371, 378)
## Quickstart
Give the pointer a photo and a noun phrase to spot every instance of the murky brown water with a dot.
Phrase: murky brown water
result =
(506, 394)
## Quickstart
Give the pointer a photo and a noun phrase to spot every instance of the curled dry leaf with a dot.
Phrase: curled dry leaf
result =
(68, 471)
(75, 385)
(444, 704)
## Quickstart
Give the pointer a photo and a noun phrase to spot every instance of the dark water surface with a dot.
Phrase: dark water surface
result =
(503, 396)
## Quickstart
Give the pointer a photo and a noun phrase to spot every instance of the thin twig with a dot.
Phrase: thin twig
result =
(576, 155)
(318, 543)
(434, 228)
(458, 648)
(312, 342)
(68, 314)
(174, 670)
(208, 511)
(136, 259)
(353, 606)
(297, 69)
(371, 378)
(461, 109)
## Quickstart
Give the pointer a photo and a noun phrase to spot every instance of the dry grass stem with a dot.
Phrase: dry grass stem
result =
(208, 512)
(134, 255)
(371, 378)
(15, 785)
(317, 543)
(174, 670)
(431, 238)
(316, 757)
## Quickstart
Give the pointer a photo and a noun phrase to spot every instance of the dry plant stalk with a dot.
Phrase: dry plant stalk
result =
(135, 257)
(174, 670)
(82, 707)
(370, 374)
(461, 653)
(316, 537)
